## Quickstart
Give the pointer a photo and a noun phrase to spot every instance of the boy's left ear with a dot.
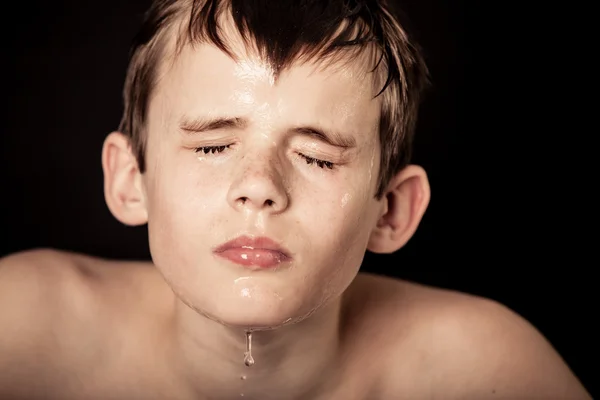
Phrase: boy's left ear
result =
(403, 206)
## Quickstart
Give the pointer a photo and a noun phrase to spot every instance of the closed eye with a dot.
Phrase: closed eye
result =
(211, 149)
(309, 160)
(315, 161)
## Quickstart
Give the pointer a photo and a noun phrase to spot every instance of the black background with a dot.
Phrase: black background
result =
(499, 223)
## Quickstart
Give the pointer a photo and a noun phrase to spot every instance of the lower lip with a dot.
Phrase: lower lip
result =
(261, 258)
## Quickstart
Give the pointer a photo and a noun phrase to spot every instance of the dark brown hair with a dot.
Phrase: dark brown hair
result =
(284, 32)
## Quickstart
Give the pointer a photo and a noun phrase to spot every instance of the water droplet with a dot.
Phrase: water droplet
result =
(243, 377)
(248, 359)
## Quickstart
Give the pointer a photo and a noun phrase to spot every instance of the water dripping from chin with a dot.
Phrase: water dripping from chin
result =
(248, 359)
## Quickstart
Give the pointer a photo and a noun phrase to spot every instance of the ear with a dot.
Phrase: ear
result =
(403, 207)
(122, 181)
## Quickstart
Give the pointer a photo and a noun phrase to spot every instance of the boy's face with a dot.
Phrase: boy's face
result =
(261, 185)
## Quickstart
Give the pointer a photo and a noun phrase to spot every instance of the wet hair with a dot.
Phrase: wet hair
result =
(285, 32)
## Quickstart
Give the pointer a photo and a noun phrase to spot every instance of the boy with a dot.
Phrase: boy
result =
(266, 145)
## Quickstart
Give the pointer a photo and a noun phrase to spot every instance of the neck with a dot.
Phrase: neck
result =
(293, 362)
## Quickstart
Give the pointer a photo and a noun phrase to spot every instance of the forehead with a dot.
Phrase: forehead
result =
(202, 79)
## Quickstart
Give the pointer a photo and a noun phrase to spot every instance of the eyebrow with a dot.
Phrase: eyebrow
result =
(332, 138)
(199, 125)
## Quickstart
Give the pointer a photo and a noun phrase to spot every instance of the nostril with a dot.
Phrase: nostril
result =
(269, 202)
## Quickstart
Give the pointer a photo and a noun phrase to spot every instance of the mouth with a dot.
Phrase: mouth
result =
(260, 252)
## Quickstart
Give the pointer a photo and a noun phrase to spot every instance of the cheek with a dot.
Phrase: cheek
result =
(178, 183)
(182, 202)
(352, 224)
(339, 239)
(340, 227)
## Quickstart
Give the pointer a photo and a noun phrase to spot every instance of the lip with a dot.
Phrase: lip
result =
(261, 252)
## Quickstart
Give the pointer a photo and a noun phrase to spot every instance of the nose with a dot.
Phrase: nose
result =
(258, 186)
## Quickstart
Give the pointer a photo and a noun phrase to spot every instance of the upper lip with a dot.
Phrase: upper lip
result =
(247, 242)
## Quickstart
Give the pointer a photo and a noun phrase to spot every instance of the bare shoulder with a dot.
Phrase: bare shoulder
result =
(45, 289)
(456, 345)
(32, 284)
(55, 310)
(42, 280)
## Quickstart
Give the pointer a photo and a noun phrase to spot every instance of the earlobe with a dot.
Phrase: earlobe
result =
(122, 181)
(404, 205)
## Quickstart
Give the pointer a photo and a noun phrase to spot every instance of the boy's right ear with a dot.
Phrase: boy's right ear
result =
(123, 190)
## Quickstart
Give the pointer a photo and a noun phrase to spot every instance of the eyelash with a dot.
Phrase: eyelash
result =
(320, 163)
(211, 149)
(309, 160)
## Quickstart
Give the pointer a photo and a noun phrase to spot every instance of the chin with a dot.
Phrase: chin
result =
(257, 314)
(258, 311)
(244, 300)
